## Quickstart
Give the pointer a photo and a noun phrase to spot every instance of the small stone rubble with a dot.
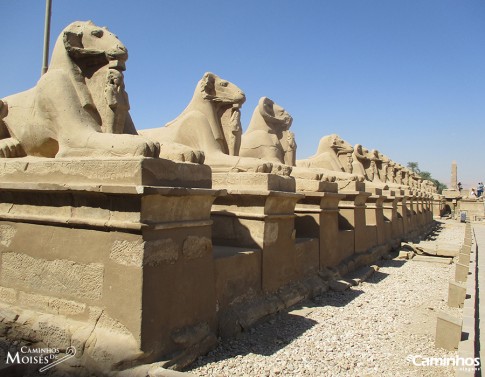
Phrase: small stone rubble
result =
(368, 330)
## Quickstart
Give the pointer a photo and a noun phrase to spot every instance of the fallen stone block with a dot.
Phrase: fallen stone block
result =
(403, 254)
(448, 332)
(446, 252)
(456, 294)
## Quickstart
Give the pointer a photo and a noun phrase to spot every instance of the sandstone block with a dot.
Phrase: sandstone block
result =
(461, 272)
(61, 276)
(448, 332)
(456, 294)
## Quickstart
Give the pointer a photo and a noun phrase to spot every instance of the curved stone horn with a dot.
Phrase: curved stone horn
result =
(72, 38)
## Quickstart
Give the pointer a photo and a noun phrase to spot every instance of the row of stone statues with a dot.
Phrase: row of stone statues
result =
(80, 108)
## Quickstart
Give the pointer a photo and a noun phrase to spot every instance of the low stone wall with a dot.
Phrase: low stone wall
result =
(129, 273)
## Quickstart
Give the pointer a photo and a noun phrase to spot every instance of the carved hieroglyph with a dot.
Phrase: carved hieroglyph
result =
(78, 105)
(329, 151)
(211, 124)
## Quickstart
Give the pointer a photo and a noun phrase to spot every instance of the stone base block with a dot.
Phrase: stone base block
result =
(456, 294)
(448, 332)
(100, 242)
(374, 190)
(237, 273)
(253, 181)
(464, 259)
(307, 185)
(119, 171)
(461, 272)
(350, 186)
(307, 256)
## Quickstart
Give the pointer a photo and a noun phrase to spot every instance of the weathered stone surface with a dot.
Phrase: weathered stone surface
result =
(7, 232)
(52, 305)
(196, 247)
(127, 253)
(237, 274)
(89, 172)
(161, 251)
(8, 295)
(54, 332)
(251, 181)
(59, 276)
(138, 253)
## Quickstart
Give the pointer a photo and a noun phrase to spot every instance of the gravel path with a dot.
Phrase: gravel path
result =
(368, 330)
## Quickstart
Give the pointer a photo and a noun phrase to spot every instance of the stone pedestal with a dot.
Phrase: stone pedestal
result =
(352, 217)
(374, 215)
(389, 207)
(253, 181)
(402, 215)
(263, 219)
(88, 173)
(318, 217)
(420, 221)
(102, 243)
(411, 213)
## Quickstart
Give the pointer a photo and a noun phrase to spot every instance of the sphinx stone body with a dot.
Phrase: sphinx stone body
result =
(327, 158)
(79, 108)
(211, 123)
(268, 138)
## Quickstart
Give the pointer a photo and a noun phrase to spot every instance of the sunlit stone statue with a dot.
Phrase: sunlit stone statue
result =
(79, 108)
(327, 157)
(268, 138)
(382, 166)
(211, 123)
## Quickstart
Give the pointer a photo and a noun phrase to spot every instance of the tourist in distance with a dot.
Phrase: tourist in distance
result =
(479, 189)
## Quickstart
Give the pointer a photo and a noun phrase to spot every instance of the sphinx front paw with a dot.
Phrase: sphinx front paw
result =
(10, 148)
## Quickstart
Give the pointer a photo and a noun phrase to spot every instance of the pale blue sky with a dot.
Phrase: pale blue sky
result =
(405, 77)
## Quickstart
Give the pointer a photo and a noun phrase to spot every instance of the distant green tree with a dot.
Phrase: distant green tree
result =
(425, 175)
(414, 166)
